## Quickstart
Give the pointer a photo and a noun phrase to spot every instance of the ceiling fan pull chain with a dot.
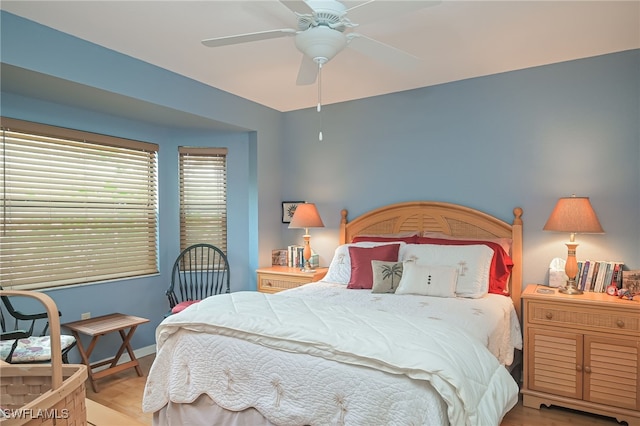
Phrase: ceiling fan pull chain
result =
(320, 98)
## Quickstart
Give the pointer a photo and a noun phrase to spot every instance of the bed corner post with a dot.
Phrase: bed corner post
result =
(343, 226)
(516, 273)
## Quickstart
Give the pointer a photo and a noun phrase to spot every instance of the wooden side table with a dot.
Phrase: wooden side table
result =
(99, 326)
(582, 352)
(277, 278)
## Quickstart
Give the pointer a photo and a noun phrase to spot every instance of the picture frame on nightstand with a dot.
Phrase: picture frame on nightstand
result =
(279, 257)
(631, 281)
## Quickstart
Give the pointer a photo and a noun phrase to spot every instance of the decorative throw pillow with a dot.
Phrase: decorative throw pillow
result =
(501, 263)
(472, 261)
(361, 257)
(386, 276)
(340, 266)
(428, 280)
(182, 306)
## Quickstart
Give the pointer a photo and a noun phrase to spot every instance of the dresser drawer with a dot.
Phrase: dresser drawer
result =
(582, 317)
(278, 278)
(273, 283)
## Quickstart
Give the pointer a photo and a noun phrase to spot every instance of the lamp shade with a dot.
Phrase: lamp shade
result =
(306, 216)
(574, 215)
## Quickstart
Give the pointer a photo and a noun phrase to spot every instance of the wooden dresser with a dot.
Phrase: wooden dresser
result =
(582, 352)
(277, 278)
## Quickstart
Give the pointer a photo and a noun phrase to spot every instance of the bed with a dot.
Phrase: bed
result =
(333, 353)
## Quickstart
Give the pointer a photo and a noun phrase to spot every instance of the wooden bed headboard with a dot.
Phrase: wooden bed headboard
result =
(446, 218)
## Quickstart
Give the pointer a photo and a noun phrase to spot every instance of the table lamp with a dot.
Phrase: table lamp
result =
(306, 216)
(574, 215)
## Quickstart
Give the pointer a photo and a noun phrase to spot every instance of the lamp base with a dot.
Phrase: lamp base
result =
(570, 288)
(307, 267)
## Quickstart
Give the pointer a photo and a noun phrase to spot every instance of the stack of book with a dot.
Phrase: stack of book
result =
(597, 275)
(296, 257)
(293, 257)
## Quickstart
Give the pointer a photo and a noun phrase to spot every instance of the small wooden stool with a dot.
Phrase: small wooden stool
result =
(99, 326)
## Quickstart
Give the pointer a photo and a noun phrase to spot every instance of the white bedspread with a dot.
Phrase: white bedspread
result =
(492, 319)
(471, 381)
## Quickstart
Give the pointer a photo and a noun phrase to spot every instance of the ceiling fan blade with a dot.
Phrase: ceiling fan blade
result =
(308, 72)
(245, 38)
(373, 10)
(382, 52)
(298, 6)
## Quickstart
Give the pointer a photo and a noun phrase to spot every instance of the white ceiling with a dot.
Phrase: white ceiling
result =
(455, 40)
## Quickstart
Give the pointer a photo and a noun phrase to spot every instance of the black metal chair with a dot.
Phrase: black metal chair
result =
(19, 345)
(200, 271)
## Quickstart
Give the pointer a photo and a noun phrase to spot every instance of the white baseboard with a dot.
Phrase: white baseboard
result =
(139, 353)
(147, 350)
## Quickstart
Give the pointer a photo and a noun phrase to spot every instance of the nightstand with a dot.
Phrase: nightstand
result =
(277, 278)
(582, 352)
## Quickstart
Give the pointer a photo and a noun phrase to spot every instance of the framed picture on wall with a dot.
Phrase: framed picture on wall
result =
(288, 208)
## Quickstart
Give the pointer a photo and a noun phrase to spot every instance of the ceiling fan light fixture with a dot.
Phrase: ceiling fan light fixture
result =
(321, 43)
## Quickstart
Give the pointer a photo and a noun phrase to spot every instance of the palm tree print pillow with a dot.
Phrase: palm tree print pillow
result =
(386, 276)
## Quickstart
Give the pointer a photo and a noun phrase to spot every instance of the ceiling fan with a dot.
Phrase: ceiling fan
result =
(323, 30)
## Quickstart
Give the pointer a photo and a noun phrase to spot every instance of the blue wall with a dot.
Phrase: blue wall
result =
(145, 296)
(522, 138)
(101, 91)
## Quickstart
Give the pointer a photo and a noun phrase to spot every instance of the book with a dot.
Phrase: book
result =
(589, 279)
(579, 274)
(598, 282)
(616, 277)
(607, 278)
(585, 271)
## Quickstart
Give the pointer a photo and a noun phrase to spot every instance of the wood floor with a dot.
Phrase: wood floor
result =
(123, 392)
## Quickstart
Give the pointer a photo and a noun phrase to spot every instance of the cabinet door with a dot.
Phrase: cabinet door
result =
(554, 362)
(611, 367)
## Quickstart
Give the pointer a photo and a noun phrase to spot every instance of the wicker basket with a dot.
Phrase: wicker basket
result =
(43, 394)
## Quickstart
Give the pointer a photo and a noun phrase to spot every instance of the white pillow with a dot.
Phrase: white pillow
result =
(473, 263)
(427, 280)
(340, 266)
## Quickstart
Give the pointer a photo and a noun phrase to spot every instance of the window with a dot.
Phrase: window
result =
(203, 197)
(76, 207)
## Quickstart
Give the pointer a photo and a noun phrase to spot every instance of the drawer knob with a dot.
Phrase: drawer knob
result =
(620, 323)
(587, 369)
(578, 367)
(549, 315)
(269, 284)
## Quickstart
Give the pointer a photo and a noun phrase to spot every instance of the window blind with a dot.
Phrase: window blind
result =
(77, 207)
(203, 196)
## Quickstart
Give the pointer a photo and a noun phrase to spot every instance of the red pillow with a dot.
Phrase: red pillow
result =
(361, 257)
(409, 239)
(501, 263)
(182, 306)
